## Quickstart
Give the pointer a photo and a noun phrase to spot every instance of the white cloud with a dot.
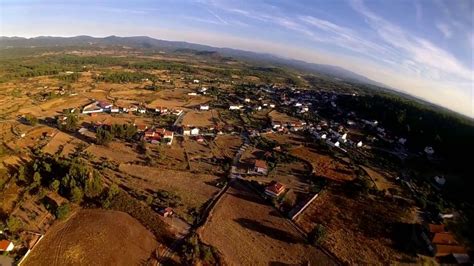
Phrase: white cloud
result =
(445, 29)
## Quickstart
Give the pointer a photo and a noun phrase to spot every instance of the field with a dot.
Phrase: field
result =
(119, 152)
(200, 118)
(247, 231)
(226, 146)
(286, 139)
(192, 189)
(382, 182)
(95, 237)
(324, 165)
(62, 143)
(359, 229)
(281, 117)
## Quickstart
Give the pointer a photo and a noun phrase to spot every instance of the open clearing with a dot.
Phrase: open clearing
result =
(200, 118)
(95, 237)
(380, 180)
(324, 165)
(359, 228)
(247, 231)
(119, 152)
(192, 188)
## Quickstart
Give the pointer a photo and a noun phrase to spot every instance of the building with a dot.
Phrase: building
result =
(274, 189)
(167, 212)
(235, 107)
(191, 131)
(6, 246)
(93, 107)
(260, 167)
(204, 107)
(429, 150)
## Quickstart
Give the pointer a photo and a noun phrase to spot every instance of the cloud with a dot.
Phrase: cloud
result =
(445, 29)
(217, 16)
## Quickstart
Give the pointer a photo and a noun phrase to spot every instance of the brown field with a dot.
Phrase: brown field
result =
(119, 152)
(225, 146)
(286, 139)
(62, 142)
(33, 214)
(381, 180)
(174, 156)
(282, 117)
(359, 228)
(247, 231)
(95, 237)
(324, 165)
(190, 187)
(200, 118)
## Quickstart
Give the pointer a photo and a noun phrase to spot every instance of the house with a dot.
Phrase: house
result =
(274, 189)
(402, 141)
(133, 108)
(440, 181)
(247, 100)
(436, 228)
(6, 245)
(444, 239)
(168, 137)
(166, 212)
(200, 139)
(196, 81)
(114, 109)
(359, 144)
(235, 107)
(204, 107)
(141, 127)
(141, 110)
(92, 108)
(276, 124)
(429, 150)
(104, 105)
(191, 131)
(260, 167)
(192, 94)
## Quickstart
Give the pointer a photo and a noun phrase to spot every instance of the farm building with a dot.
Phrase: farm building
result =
(260, 167)
(166, 212)
(6, 245)
(204, 107)
(274, 189)
(191, 131)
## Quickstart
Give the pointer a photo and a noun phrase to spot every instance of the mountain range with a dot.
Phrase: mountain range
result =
(151, 43)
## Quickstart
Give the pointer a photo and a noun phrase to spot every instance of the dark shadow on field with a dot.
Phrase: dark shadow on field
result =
(274, 233)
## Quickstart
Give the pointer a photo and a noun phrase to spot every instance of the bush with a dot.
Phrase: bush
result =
(63, 211)
(14, 224)
(317, 235)
(31, 119)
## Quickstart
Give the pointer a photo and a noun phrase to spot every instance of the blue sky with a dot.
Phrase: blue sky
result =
(423, 47)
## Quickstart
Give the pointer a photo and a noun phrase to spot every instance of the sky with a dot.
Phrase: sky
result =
(421, 47)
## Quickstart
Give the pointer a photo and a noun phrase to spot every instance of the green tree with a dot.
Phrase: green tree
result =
(54, 186)
(317, 235)
(31, 119)
(37, 178)
(14, 224)
(76, 195)
(103, 136)
(94, 185)
(63, 211)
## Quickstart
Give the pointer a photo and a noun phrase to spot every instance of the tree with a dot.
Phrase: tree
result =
(22, 175)
(103, 136)
(94, 185)
(63, 211)
(14, 224)
(37, 178)
(76, 195)
(31, 119)
(317, 235)
(54, 186)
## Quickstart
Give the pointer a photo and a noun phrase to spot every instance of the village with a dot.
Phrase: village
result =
(286, 166)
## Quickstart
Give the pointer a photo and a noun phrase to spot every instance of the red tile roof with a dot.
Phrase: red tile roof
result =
(4, 245)
(260, 164)
(443, 250)
(275, 187)
(444, 238)
(436, 228)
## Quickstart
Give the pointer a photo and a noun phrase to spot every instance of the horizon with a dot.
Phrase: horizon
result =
(420, 48)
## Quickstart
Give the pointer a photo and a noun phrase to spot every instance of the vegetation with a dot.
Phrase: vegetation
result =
(125, 77)
(63, 211)
(317, 235)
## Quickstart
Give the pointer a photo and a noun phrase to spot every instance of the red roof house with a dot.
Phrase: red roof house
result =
(274, 189)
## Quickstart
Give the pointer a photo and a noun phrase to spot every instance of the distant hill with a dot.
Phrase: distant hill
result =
(145, 42)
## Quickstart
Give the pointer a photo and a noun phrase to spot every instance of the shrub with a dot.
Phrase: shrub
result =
(317, 235)
(63, 211)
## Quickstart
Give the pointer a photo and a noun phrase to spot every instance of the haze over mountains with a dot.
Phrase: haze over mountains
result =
(169, 46)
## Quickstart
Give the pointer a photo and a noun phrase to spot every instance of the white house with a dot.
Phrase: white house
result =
(114, 109)
(247, 100)
(141, 110)
(196, 81)
(440, 180)
(192, 94)
(204, 107)
(235, 107)
(429, 150)
(359, 144)
(272, 105)
(194, 131)
(92, 108)
(402, 141)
